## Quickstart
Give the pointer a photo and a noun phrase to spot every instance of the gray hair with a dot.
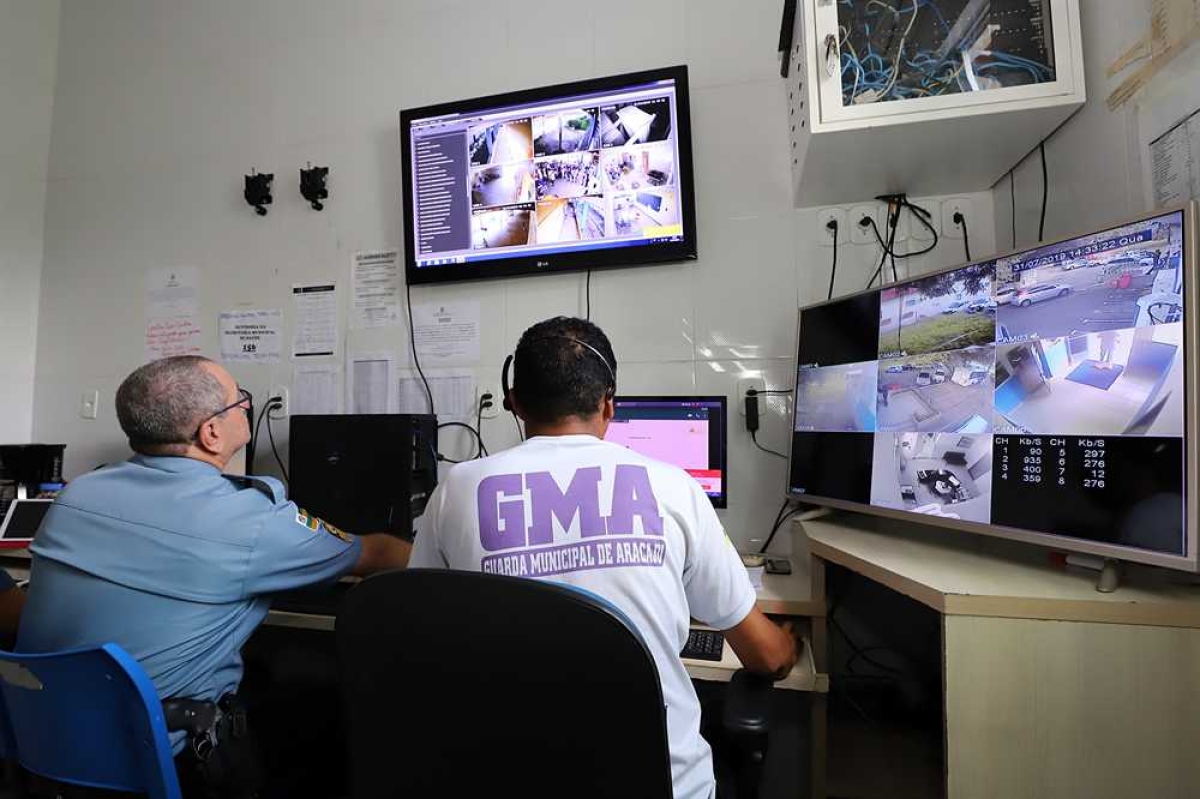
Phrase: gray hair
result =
(161, 404)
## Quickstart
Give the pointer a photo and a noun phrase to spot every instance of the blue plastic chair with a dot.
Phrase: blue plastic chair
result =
(88, 717)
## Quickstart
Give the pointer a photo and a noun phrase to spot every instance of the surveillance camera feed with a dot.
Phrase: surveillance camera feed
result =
(600, 170)
(1042, 392)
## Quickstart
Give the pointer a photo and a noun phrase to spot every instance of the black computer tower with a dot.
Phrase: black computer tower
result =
(369, 473)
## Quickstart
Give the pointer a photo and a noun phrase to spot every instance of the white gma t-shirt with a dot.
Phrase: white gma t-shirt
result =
(593, 514)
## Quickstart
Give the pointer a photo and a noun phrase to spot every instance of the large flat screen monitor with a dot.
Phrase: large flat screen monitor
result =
(688, 432)
(1043, 396)
(576, 176)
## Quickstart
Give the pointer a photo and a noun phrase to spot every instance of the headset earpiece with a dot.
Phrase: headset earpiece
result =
(504, 383)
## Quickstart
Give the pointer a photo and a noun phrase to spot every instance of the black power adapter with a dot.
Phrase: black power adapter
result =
(752, 411)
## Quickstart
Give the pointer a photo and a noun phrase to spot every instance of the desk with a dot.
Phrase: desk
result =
(782, 594)
(1051, 689)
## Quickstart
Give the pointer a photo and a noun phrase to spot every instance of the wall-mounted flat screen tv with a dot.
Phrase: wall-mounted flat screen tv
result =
(571, 177)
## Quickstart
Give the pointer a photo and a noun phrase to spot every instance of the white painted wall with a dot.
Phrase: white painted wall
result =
(162, 107)
(28, 50)
(1094, 163)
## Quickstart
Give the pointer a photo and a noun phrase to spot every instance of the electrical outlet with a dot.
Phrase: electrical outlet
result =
(824, 234)
(89, 404)
(918, 232)
(744, 385)
(285, 407)
(496, 399)
(860, 233)
(958, 205)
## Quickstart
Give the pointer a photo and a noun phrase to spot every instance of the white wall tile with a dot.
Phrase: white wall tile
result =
(647, 312)
(631, 35)
(740, 140)
(728, 43)
(529, 300)
(757, 480)
(634, 378)
(747, 288)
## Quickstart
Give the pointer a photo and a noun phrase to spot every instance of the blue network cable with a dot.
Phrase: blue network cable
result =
(1035, 65)
(934, 75)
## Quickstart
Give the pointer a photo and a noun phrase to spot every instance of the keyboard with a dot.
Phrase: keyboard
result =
(703, 645)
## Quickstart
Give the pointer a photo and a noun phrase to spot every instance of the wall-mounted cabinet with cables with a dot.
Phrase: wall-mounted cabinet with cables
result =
(925, 96)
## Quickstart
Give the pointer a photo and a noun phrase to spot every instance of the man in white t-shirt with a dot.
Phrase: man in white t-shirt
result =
(569, 507)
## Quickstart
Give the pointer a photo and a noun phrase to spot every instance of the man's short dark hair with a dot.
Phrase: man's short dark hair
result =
(555, 377)
(161, 404)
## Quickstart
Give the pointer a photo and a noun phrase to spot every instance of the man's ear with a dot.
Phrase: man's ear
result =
(209, 438)
(511, 404)
(608, 409)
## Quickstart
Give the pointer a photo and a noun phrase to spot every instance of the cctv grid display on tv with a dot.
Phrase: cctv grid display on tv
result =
(1038, 394)
(592, 171)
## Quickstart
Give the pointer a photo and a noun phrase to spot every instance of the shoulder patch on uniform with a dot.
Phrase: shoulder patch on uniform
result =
(307, 520)
(337, 532)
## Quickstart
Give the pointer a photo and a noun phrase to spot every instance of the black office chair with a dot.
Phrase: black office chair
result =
(468, 684)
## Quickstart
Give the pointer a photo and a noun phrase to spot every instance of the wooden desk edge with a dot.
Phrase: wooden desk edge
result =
(1146, 614)
(910, 588)
(303, 621)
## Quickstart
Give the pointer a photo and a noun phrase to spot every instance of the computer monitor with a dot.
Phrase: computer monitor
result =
(1044, 395)
(577, 176)
(22, 521)
(688, 432)
(368, 473)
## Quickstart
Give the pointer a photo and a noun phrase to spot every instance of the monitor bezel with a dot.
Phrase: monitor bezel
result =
(720, 502)
(556, 263)
(1190, 561)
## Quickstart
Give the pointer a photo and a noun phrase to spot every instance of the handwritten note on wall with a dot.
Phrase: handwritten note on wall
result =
(172, 306)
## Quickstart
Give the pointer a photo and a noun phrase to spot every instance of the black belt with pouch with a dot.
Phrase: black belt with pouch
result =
(220, 759)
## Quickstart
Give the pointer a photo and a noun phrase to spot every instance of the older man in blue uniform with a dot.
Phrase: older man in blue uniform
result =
(169, 557)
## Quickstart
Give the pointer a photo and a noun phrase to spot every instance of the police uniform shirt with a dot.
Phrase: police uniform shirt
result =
(595, 515)
(173, 561)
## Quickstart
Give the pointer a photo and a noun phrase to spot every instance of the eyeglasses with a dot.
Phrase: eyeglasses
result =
(245, 399)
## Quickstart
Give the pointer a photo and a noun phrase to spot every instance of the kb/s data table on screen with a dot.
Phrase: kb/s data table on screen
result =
(1052, 461)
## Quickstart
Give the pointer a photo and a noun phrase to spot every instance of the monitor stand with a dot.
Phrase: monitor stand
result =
(1110, 576)
(814, 513)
